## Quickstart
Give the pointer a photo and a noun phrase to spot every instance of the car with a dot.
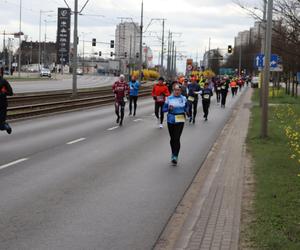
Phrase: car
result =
(79, 71)
(255, 82)
(45, 72)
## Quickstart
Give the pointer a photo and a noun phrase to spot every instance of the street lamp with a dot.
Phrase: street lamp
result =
(20, 49)
(40, 27)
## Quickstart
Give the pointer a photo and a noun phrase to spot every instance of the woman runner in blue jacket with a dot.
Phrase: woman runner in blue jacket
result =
(176, 106)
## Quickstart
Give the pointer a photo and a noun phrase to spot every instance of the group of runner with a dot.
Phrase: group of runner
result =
(179, 99)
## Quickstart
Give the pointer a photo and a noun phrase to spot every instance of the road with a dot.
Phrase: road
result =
(76, 181)
(62, 83)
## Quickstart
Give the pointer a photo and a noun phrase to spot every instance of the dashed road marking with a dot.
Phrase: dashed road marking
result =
(113, 128)
(13, 163)
(76, 141)
(138, 120)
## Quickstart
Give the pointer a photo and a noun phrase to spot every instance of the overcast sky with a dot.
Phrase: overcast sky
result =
(193, 21)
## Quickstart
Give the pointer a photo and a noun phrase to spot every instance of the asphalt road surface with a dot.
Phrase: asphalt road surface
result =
(85, 81)
(77, 181)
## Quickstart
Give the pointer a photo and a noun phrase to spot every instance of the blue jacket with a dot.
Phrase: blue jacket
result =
(134, 88)
(179, 104)
(206, 94)
(193, 87)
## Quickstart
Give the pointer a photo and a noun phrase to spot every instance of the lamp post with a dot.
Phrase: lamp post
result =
(40, 34)
(20, 42)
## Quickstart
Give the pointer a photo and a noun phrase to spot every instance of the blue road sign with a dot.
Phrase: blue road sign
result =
(260, 60)
(298, 77)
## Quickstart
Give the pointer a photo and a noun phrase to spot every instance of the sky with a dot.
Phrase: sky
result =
(193, 22)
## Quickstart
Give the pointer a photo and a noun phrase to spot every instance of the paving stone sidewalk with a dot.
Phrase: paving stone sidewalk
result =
(209, 214)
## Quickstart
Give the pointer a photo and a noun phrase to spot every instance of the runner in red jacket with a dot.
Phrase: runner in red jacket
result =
(120, 89)
(160, 92)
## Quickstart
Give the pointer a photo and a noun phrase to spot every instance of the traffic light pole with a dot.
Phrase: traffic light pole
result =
(265, 85)
(141, 43)
(75, 40)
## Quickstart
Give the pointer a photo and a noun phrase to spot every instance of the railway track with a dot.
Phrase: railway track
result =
(33, 105)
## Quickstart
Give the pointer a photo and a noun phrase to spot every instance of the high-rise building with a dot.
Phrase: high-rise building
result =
(127, 40)
(243, 38)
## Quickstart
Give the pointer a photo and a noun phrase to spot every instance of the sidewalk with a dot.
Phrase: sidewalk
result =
(208, 217)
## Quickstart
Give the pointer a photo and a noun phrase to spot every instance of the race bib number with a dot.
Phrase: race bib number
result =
(179, 118)
(160, 98)
(191, 98)
(125, 99)
(218, 88)
(223, 87)
(206, 96)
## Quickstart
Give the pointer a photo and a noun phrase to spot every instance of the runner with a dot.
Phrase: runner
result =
(224, 91)
(218, 90)
(176, 106)
(5, 90)
(193, 91)
(206, 94)
(120, 89)
(160, 92)
(234, 87)
(134, 86)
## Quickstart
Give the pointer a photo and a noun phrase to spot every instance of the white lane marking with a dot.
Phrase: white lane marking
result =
(137, 120)
(113, 128)
(75, 141)
(13, 163)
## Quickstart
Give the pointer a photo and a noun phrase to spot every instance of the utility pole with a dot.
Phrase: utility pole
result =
(175, 61)
(162, 48)
(265, 86)
(141, 42)
(240, 60)
(20, 42)
(209, 53)
(75, 39)
(263, 48)
(173, 56)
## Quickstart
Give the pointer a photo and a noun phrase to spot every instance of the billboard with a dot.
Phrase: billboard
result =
(63, 35)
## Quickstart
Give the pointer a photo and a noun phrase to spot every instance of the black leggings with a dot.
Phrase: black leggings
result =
(134, 100)
(193, 107)
(224, 95)
(218, 93)
(159, 105)
(118, 105)
(175, 131)
(205, 105)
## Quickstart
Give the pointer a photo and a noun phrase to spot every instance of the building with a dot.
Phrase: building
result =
(127, 40)
(242, 39)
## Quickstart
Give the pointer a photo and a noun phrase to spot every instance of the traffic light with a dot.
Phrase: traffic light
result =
(100, 53)
(112, 44)
(229, 50)
(111, 54)
(137, 55)
(94, 42)
(125, 54)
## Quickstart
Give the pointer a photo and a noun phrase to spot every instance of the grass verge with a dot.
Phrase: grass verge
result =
(276, 167)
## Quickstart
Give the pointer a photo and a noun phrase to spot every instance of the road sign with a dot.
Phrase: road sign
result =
(298, 77)
(190, 67)
(260, 62)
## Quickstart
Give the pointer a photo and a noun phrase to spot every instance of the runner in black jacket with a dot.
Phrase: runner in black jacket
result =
(5, 90)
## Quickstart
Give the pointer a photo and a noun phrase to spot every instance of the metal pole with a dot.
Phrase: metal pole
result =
(265, 87)
(130, 55)
(4, 54)
(75, 39)
(141, 42)
(162, 49)
(172, 64)
(83, 54)
(240, 60)
(175, 61)
(20, 42)
(45, 39)
(40, 40)
(262, 48)
(209, 53)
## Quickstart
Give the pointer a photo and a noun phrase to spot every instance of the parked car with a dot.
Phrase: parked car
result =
(254, 82)
(45, 72)
(79, 71)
